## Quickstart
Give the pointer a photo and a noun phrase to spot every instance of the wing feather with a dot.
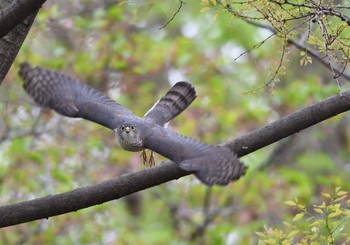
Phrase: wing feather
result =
(71, 98)
(210, 164)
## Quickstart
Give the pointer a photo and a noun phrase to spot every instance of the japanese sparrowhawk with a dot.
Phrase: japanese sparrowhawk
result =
(69, 97)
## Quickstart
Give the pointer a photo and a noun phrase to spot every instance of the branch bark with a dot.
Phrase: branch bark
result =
(16, 18)
(127, 184)
(17, 11)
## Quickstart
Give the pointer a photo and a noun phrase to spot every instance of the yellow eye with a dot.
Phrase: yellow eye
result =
(122, 128)
(133, 127)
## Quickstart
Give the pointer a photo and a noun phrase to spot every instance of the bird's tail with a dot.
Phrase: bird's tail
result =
(175, 101)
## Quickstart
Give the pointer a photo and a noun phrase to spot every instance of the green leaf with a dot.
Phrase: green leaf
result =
(292, 233)
(315, 243)
(205, 9)
(290, 203)
(270, 241)
(339, 198)
(261, 234)
(326, 195)
(318, 210)
(341, 193)
(298, 216)
(216, 16)
(316, 223)
(288, 224)
(335, 214)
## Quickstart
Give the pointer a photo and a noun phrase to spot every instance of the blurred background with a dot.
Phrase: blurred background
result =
(127, 50)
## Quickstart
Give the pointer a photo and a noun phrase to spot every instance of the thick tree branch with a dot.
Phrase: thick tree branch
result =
(290, 124)
(84, 197)
(15, 23)
(133, 182)
(16, 12)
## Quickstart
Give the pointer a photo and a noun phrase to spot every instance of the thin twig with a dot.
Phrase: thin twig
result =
(279, 63)
(326, 45)
(255, 46)
(177, 11)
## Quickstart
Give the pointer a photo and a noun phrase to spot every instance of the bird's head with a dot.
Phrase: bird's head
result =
(129, 137)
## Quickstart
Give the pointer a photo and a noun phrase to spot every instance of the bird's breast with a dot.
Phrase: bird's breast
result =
(129, 142)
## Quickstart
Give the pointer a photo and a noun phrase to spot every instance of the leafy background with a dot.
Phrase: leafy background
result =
(123, 50)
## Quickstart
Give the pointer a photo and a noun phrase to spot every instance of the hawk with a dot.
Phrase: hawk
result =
(69, 97)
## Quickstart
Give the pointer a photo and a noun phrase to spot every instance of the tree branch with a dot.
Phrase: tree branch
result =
(290, 124)
(133, 182)
(87, 196)
(13, 30)
(15, 13)
(174, 15)
(302, 47)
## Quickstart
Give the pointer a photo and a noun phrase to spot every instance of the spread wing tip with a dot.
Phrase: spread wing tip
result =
(24, 69)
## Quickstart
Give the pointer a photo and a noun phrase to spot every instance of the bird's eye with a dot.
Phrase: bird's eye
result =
(133, 127)
(122, 128)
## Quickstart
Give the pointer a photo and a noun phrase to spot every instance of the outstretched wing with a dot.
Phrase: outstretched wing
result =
(175, 101)
(71, 98)
(212, 165)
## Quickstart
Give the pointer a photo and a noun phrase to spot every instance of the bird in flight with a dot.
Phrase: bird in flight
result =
(69, 97)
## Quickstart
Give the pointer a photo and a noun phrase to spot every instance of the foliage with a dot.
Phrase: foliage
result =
(327, 223)
(323, 26)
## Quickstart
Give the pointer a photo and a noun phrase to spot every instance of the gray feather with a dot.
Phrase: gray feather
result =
(175, 101)
(71, 98)
(210, 164)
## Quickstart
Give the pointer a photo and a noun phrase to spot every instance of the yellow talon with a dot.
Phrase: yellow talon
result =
(144, 157)
(151, 160)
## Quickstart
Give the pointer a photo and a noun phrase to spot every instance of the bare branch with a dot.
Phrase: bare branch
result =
(16, 12)
(177, 11)
(255, 46)
(280, 64)
(12, 32)
(133, 182)
(290, 124)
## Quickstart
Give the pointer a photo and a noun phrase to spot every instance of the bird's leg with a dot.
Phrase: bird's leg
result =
(144, 157)
(151, 160)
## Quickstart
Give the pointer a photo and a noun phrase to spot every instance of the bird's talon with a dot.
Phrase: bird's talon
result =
(144, 157)
(151, 160)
